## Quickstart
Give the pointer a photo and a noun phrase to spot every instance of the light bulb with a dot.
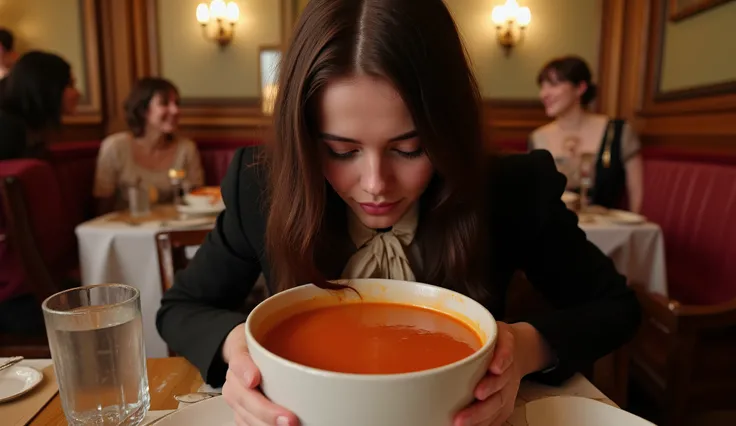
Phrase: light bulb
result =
(203, 13)
(233, 12)
(218, 9)
(523, 17)
(498, 15)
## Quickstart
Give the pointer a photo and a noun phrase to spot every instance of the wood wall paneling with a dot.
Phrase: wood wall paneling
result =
(697, 100)
(87, 122)
(701, 119)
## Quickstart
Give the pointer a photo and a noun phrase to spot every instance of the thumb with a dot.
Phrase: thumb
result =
(503, 355)
(245, 369)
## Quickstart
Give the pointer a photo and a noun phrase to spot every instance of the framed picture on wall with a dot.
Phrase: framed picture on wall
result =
(681, 9)
(269, 63)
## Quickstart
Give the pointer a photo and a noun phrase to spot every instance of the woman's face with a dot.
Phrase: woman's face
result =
(70, 97)
(371, 153)
(559, 96)
(163, 113)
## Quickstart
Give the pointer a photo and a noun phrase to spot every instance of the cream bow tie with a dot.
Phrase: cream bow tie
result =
(381, 254)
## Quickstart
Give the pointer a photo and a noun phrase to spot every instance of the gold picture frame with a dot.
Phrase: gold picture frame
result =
(682, 9)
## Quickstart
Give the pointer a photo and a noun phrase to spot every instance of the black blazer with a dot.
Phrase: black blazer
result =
(532, 231)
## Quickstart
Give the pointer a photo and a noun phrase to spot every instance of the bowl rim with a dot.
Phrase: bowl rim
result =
(487, 346)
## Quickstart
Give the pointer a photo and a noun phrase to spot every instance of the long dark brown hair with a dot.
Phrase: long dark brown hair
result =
(414, 45)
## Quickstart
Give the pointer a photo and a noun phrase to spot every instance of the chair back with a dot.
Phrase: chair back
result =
(171, 247)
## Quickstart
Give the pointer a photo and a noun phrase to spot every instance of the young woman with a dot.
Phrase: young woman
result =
(566, 90)
(145, 154)
(37, 92)
(378, 143)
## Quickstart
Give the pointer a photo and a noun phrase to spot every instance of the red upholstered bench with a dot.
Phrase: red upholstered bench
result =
(683, 354)
(40, 248)
(74, 164)
(216, 155)
(693, 198)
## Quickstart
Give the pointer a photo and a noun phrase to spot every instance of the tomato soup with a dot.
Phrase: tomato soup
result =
(372, 338)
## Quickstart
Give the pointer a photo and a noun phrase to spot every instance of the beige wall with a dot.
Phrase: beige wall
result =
(700, 50)
(198, 66)
(558, 27)
(54, 26)
(200, 69)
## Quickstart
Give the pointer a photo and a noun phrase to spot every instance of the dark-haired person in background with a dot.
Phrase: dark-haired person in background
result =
(146, 153)
(566, 90)
(7, 51)
(37, 92)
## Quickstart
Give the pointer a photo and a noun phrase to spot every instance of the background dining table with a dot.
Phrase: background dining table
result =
(116, 248)
(169, 377)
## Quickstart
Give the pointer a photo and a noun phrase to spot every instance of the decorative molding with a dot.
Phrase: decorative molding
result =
(610, 56)
(679, 12)
(697, 100)
(89, 110)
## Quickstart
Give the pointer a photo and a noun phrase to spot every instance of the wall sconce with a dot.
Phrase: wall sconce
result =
(511, 20)
(224, 16)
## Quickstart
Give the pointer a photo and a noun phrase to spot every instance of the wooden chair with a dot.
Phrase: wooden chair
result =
(171, 247)
(685, 356)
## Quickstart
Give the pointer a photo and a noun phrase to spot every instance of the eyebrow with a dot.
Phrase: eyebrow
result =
(402, 137)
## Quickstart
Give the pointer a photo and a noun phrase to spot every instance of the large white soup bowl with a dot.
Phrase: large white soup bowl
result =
(325, 398)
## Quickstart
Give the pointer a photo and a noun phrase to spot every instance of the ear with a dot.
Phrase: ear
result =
(581, 88)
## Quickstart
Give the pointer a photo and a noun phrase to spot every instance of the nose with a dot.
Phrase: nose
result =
(374, 176)
(173, 109)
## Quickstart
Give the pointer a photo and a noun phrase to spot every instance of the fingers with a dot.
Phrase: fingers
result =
(491, 384)
(480, 413)
(245, 370)
(503, 355)
(251, 407)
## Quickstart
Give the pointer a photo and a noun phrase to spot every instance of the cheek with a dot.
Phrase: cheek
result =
(414, 176)
(340, 175)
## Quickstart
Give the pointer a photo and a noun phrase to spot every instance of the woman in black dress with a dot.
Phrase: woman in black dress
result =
(377, 169)
(33, 97)
(608, 148)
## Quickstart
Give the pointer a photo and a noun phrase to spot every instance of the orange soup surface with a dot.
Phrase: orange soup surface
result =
(372, 338)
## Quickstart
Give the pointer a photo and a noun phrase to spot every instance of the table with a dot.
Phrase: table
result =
(636, 250)
(118, 249)
(168, 377)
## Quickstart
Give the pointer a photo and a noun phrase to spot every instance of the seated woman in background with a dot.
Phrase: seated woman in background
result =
(566, 91)
(36, 93)
(145, 154)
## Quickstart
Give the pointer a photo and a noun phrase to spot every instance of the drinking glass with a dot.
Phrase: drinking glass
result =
(139, 202)
(96, 340)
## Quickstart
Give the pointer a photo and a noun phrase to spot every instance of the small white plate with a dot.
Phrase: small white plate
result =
(210, 412)
(194, 211)
(624, 217)
(578, 411)
(17, 380)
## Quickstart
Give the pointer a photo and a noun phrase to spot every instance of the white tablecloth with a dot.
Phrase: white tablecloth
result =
(636, 250)
(116, 252)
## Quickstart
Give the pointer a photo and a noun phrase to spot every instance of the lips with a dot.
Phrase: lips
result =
(378, 209)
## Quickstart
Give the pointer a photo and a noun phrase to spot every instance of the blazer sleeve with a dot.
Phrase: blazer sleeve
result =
(595, 311)
(202, 306)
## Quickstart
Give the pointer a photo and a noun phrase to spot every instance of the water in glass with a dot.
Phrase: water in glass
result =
(96, 340)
